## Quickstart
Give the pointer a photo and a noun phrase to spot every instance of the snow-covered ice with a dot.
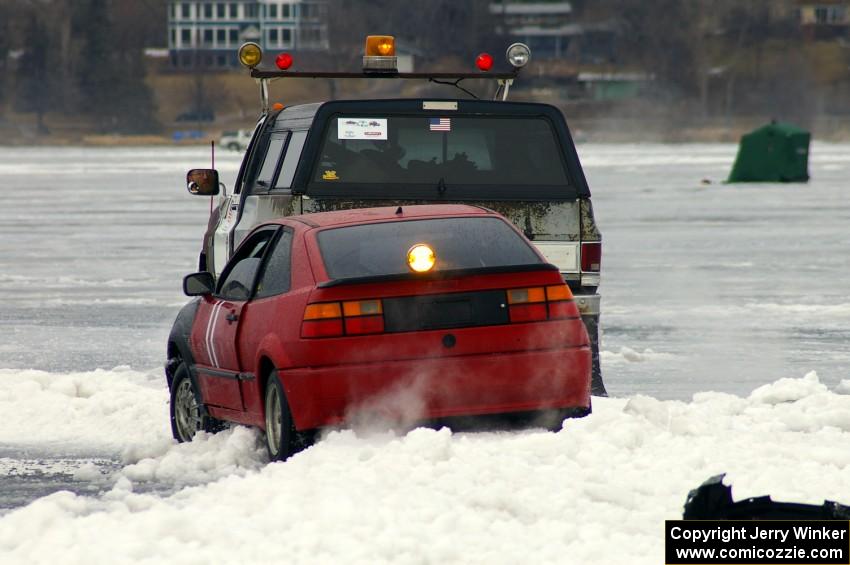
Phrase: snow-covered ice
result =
(597, 491)
(725, 317)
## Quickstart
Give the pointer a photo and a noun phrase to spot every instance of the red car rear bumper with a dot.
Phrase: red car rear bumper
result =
(424, 389)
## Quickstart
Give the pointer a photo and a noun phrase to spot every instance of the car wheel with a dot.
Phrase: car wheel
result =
(233, 146)
(280, 430)
(188, 414)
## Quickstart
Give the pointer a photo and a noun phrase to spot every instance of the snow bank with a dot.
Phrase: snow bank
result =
(100, 410)
(595, 492)
(231, 452)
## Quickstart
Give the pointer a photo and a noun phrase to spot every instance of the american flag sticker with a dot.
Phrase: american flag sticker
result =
(440, 124)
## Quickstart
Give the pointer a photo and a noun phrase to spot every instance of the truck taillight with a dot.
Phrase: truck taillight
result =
(335, 319)
(540, 303)
(591, 256)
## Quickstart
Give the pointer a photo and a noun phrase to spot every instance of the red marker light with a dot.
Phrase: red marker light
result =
(484, 62)
(283, 61)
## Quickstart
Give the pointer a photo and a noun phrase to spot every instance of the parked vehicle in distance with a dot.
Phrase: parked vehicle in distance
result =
(417, 312)
(235, 140)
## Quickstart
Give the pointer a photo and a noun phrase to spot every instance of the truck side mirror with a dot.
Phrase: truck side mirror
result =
(202, 182)
(198, 284)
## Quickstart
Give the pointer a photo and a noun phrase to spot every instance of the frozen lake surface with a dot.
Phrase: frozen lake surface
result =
(706, 287)
(729, 286)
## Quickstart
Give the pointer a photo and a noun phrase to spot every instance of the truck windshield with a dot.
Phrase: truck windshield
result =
(458, 243)
(453, 156)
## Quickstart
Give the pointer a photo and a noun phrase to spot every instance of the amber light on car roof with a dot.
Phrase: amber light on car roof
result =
(421, 258)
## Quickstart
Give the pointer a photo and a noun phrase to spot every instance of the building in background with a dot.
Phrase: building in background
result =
(544, 26)
(554, 31)
(207, 34)
(824, 19)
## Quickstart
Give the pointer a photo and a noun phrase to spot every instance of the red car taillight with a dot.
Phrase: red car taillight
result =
(333, 319)
(322, 320)
(539, 303)
(527, 304)
(591, 256)
(363, 317)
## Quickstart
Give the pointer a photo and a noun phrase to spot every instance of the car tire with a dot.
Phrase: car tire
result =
(233, 146)
(280, 429)
(188, 413)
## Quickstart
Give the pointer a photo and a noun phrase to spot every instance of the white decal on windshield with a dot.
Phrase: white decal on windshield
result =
(362, 128)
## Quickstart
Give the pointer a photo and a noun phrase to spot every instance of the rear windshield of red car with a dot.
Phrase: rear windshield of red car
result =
(461, 157)
(458, 243)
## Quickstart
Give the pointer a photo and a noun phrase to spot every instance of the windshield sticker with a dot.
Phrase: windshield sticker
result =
(440, 124)
(329, 175)
(362, 128)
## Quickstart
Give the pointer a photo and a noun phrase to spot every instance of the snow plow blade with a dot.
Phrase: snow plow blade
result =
(712, 500)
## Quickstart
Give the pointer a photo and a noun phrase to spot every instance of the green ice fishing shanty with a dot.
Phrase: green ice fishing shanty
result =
(776, 152)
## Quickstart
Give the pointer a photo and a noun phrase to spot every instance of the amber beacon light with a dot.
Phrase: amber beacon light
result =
(421, 258)
(379, 54)
(250, 54)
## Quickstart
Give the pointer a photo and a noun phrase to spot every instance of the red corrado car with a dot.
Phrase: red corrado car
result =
(443, 310)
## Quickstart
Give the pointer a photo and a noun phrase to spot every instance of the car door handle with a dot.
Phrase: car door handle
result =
(232, 317)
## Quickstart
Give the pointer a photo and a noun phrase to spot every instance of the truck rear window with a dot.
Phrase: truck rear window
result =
(452, 156)
(458, 243)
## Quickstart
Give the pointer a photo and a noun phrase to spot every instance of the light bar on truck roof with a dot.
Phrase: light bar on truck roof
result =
(270, 74)
(379, 61)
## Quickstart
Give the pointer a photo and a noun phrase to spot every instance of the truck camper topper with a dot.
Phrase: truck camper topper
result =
(379, 61)
(548, 149)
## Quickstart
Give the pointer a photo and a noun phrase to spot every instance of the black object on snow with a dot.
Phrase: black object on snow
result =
(712, 500)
